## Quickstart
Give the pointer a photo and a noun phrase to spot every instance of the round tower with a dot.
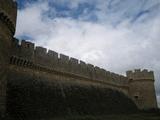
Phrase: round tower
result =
(8, 14)
(141, 89)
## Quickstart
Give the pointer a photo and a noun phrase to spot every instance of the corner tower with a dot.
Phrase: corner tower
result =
(8, 15)
(141, 89)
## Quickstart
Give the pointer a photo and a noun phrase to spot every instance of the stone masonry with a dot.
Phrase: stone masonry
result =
(22, 61)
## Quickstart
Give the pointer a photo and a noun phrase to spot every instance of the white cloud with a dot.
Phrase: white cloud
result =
(30, 20)
(126, 46)
(158, 98)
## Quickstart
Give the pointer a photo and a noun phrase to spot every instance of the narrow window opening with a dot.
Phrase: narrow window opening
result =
(136, 97)
(27, 45)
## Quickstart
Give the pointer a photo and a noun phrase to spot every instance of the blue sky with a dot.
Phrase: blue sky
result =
(117, 35)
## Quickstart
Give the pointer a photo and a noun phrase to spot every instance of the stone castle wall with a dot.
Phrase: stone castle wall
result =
(8, 13)
(40, 94)
(140, 74)
(47, 84)
(36, 81)
(142, 89)
(9, 8)
(38, 56)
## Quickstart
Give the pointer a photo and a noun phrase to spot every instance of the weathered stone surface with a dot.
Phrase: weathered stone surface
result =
(7, 30)
(142, 90)
(37, 83)
(40, 95)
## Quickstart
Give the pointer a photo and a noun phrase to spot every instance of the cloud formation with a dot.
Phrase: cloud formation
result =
(117, 35)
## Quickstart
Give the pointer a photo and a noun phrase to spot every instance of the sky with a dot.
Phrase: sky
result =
(117, 35)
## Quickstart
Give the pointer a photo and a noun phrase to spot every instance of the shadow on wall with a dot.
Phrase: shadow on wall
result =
(28, 98)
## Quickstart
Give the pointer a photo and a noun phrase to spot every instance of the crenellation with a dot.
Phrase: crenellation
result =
(97, 72)
(82, 63)
(115, 78)
(141, 88)
(102, 74)
(40, 56)
(52, 54)
(90, 66)
(52, 59)
(108, 76)
(124, 80)
(40, 51)
(145, 71)
(137, 70)
(46, 61)
(140, 74)
(151, 75)
(64, 58)
(74, 61)
(64, 63)
(74, 65)
(91, 71)
(26, 44)
(83, 69)
(38, 73)
(27, 50)
(129, 73)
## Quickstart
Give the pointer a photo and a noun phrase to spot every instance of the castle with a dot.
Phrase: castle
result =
(36, 81)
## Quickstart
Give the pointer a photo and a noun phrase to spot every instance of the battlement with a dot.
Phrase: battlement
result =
(32, 75)
(8, 13)
(39, 56)
(139, 74)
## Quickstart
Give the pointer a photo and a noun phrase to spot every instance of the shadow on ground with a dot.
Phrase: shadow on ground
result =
(113, 117)
(136, 116)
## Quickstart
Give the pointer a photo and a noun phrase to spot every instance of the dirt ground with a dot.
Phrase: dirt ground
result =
(143, 116)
